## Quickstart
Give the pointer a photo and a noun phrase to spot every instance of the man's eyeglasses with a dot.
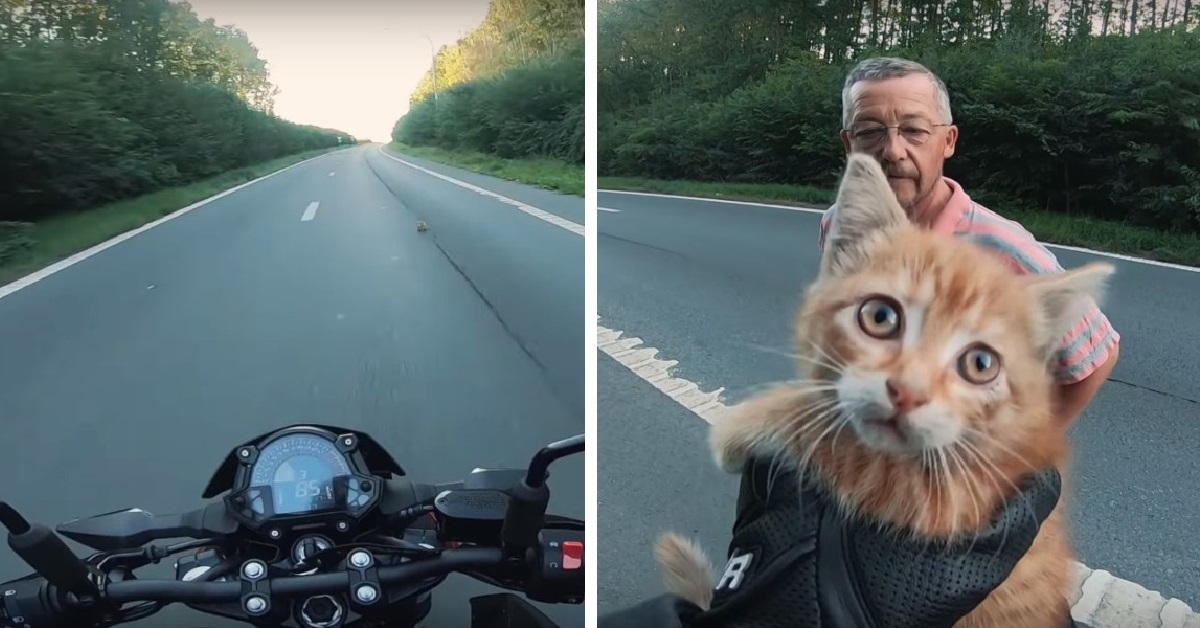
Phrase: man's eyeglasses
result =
(871, 135)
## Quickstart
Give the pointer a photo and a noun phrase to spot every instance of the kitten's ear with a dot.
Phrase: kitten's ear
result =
(1062, 298)
(866, 210)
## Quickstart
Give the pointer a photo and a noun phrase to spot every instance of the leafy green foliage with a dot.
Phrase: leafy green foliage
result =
(1092, 109)
(15, 240)
(514, 87)
(102, 100)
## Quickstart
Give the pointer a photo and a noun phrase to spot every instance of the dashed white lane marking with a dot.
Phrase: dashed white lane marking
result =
(811, 210)
(331, 174)
(607, 209)
(540, 214)
(38, 275)
(310, 212)
(1099, 599)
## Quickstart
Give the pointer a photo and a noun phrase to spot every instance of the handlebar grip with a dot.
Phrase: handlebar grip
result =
(51, 558)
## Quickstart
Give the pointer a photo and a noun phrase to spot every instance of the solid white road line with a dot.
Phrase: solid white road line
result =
(540, 214)
(61, 265)
(1100, 599)
(310, 212)
(811, 210)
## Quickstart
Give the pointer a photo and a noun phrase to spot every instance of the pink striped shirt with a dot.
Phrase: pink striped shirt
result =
(1089, 343)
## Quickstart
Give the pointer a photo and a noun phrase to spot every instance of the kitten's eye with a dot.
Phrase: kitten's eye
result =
(979, 365)
(880, 318)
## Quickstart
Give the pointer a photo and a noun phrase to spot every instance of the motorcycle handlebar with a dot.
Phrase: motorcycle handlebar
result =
(511, 546)
(552, 574)
(463, 559)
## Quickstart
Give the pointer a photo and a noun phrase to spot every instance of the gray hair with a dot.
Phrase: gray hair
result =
(881, 68)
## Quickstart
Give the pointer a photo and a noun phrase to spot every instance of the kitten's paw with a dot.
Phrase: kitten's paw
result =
(728, 452)
(731, 460)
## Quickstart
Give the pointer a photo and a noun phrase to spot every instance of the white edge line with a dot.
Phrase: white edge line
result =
(810, 210)
(541, 214)
(310, 212)
(63, 264)
(1101, 599)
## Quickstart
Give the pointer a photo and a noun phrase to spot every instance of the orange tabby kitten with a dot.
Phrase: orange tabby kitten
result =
(925, 393)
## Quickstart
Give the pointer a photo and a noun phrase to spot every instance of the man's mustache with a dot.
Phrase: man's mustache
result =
(900, 173)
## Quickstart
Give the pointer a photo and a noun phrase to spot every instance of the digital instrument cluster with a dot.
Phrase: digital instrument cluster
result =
(301, 470)
(299, 477)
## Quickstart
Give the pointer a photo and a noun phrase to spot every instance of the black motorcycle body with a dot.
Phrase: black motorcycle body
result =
(311, 526)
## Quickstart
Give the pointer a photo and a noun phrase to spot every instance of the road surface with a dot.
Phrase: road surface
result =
(306, 297)
(714, 285)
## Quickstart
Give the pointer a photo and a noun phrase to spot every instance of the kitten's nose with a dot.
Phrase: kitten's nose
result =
(903, 397)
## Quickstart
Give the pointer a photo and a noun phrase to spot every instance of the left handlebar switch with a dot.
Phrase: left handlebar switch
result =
(33, 602)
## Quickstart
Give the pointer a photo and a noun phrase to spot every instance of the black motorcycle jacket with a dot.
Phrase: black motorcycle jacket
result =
(794, 563)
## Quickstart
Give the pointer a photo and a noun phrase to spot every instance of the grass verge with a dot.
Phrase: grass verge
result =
(545, 173)
(1049, 227)
(59, 237)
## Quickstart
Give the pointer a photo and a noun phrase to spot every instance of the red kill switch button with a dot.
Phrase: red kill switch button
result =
(572, 554)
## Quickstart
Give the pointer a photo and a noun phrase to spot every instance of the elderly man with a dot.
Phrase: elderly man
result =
(899, 112)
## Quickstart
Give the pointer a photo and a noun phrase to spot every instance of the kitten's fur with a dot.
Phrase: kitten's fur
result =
(968, 444)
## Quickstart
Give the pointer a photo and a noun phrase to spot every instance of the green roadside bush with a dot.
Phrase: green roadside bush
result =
(533, 110)
(103, 104)
(1105, 127)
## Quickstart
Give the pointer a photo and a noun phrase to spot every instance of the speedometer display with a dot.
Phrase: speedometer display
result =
(302, 472)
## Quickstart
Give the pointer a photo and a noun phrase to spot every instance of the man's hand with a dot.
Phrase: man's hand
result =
(1072, 399)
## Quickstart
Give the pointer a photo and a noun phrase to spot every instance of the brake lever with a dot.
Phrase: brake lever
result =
(529, 499)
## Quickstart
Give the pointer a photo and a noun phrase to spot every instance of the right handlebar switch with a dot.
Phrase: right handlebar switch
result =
(558, 574)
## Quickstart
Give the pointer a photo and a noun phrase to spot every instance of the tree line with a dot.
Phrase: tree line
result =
(513, 87)
(102, 100)
(1088, 107)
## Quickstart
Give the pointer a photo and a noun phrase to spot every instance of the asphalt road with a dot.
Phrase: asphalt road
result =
(714, 286)
(126, 378)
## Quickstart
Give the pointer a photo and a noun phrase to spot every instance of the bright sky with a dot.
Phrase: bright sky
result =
(347, 64)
